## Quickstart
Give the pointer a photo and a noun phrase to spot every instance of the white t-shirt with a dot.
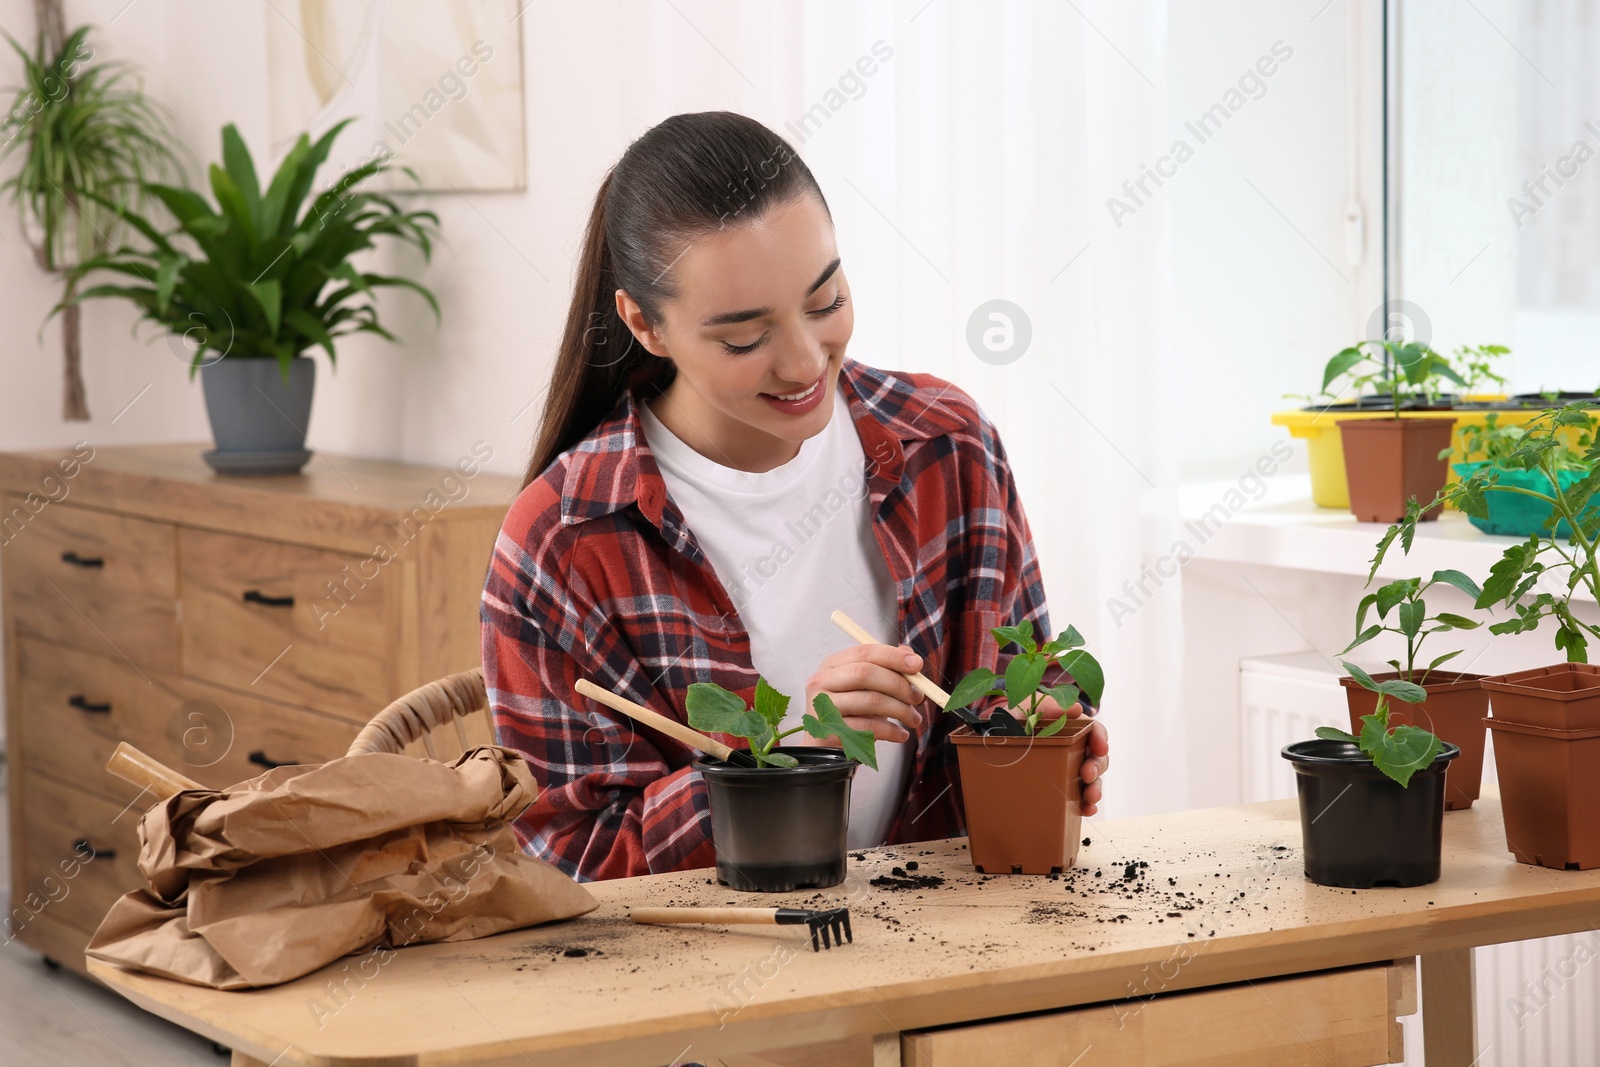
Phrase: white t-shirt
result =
(791, 545)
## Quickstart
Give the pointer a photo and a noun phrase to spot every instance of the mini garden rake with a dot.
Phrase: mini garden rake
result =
(833, 923)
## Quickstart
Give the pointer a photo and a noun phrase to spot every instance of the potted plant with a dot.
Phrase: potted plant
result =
(1021, 794)
(253, 283)
(1388, 461)
(1453, 705)
(1318, 423)
(780, 825)
(1546, 721)
(1372, 805)
(82, 129)
(1517, 514)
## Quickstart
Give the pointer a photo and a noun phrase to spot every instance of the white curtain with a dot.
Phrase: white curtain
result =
(971, 165)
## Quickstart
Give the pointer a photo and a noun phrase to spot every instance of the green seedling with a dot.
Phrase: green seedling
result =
(1569, 561)
(1406, 371)
(1398, 751)
(1027, 669)
(1479, 365)
(1502, 446)
(1411, 619)
(716, 710)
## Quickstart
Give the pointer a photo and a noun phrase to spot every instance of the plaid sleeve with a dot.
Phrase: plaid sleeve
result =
(611, 805)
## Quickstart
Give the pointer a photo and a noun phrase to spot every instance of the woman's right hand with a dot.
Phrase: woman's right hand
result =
(869, 686)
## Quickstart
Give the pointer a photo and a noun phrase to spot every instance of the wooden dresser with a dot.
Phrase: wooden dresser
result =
(223, 624)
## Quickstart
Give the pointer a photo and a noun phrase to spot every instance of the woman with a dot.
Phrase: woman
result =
(713, 477)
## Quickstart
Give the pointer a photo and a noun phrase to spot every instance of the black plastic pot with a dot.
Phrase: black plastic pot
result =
(1361, 828)
(781, 828)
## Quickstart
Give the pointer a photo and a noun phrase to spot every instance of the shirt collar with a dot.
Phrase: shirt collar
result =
(613, 466)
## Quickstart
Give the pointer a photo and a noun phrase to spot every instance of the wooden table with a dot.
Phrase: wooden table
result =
(1217, 896)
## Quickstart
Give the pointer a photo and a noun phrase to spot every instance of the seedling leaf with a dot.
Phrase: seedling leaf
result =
(979, 682)
(828, 722)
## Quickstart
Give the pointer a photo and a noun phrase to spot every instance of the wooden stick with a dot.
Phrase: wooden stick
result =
(639, 713)
(704, 915)
(131, 765)
(939, 697)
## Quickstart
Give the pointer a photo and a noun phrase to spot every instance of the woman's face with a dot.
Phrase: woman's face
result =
(763, 311)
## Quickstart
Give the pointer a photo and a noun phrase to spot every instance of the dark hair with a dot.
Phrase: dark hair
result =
(685, 176)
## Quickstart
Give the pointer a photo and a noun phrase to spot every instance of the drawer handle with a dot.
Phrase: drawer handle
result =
(82, 561)
(256, 596)
(259, 758)
(79, 701)
(99, 853)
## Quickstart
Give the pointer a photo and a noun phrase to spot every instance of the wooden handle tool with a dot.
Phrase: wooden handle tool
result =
(671, 727)
(131, 765)
(924, 686)
(833, 924)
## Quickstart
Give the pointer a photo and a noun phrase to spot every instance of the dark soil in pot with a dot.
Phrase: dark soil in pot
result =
(1563, 398)
(1550, 793)
(1360, 827)
(1563, 697)
(1022, 799)
(1454, 710)
(1389, 461)
(778, 829)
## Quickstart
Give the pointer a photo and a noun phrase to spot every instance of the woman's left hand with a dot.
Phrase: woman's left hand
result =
(1097, 753)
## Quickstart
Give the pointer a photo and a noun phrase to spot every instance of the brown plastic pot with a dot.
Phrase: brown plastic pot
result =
(1389, 461)
(1454, 710)
(1022, 798)
(1550, 793)
(1563, 697)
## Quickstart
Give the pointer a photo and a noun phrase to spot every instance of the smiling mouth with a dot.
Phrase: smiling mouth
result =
(800, 395)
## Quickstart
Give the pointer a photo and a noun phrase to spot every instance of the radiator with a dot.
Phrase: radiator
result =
(1538, 1001)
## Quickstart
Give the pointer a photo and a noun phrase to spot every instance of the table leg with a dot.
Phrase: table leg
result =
(1449, 1019)
(886, 1050)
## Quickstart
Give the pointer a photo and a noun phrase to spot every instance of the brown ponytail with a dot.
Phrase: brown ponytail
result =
(684, 177)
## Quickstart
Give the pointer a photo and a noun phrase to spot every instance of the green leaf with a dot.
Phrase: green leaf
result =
(236, 159)
(1409, 692)
(1339, 364)
(770, 704)
(1023, 675)
(1459, 580)
(1361, 613)
(1051, 728)
(309, 325)
(1020, 634)
(1329, 733)
(1412, 615)
(1363, 679)
(1086, 672)
(1393, 593)
(269, 296)
(1064, 695)
(713, 709)
(1068, 638)
(828, 722)
(1457, 622)
(1403, 752)
(977, 683)
(1447, 657)
(1362, 638)
(776, 759)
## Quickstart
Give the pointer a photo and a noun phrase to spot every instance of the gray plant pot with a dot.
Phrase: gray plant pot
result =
(258, 421)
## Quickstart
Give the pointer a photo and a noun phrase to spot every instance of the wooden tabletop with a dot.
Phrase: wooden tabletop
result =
(1154, 904)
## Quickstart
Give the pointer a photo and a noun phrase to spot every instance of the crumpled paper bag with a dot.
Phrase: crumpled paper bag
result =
(286, 872)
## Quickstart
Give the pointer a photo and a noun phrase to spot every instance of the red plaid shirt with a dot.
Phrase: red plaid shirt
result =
(595, 574)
